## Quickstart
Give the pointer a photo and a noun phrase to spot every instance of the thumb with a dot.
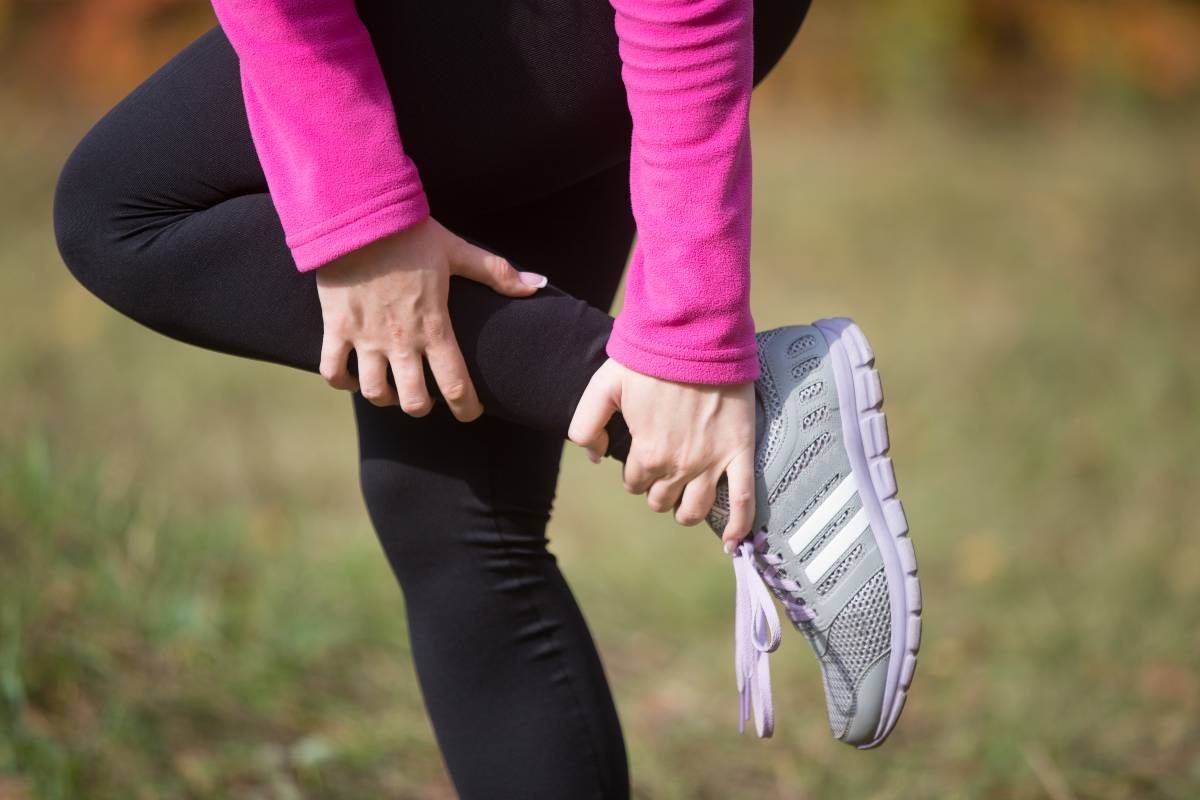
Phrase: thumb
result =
(493, 270)
(601, 399)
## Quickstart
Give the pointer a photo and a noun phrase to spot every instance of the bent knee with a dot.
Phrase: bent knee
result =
(88, 198)
(78, 209)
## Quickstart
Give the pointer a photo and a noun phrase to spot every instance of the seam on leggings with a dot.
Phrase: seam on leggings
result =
(531, 605)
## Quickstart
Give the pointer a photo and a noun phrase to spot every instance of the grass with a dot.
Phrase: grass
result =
(192, 603)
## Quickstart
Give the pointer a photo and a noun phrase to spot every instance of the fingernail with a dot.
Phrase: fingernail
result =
(593, 456)
(533, 279)
(730, 547)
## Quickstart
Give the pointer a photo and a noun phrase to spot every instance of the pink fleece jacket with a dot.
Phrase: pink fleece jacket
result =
(325, 132)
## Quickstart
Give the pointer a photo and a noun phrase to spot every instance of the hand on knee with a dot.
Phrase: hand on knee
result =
(387, 302)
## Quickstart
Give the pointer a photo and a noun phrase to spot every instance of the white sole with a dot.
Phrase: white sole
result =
(864, 428)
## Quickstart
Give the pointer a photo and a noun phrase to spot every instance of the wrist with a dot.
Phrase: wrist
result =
(684, 365)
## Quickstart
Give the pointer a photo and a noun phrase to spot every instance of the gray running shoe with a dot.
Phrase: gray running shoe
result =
(830, 538)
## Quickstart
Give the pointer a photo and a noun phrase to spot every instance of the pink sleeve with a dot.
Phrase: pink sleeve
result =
(688, 72)
(323, 125)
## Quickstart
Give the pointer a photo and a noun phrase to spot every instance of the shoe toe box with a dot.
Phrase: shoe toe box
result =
(855, 653)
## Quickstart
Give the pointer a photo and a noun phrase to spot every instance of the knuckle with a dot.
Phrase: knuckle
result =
(655, 455)
(688, 517)
(634, 478)
(455, 391)
(435, 328)
(666, 462)
(416, 407)
(650, 465)
(404, 360)
(376, 393)
(741, 499)
(497, 265)
(397, 333)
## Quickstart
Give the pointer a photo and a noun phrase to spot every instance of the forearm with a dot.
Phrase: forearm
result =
(323, 125)
(688, 73)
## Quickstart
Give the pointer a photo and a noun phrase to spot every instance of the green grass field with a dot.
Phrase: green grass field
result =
(192, 603)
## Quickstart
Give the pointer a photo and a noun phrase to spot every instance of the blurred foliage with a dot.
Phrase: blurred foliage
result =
(1012, 56)
(996, 57)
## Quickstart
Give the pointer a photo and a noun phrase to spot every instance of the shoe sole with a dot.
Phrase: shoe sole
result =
(864, 428)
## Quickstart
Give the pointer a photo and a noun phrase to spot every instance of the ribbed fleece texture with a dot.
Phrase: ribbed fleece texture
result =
(325, 132)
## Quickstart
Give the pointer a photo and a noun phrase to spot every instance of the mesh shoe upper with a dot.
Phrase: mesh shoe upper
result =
(815, 546)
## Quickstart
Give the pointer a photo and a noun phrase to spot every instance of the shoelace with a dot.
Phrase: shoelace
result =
(757, 631)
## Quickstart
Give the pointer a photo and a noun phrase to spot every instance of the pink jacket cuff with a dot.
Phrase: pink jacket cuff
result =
(358, 227)
(739, 365)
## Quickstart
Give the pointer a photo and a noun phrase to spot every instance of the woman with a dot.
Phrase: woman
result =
(253, 196)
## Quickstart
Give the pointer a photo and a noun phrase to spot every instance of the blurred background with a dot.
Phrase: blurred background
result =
(1005, 193)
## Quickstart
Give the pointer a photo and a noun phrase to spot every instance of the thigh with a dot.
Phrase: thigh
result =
(502, 102)
(162, 211)
(579, 236)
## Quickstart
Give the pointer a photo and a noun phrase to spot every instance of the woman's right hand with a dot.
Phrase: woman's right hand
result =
(685, 437)
(386, 301)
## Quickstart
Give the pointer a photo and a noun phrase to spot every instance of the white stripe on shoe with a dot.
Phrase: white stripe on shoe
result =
(822, 514)
(837, 547)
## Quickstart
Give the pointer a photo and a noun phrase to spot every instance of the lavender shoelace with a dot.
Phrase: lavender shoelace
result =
(757, 631)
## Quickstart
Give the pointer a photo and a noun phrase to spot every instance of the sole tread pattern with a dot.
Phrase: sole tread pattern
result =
(876, 443)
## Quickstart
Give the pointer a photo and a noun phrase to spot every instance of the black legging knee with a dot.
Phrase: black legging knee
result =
(517, 121)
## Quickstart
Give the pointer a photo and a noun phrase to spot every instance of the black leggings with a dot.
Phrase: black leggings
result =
(517, 121)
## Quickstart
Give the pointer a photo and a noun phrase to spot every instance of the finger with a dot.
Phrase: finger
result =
(453, 380)
(598, 448)
(601, 399)
(641, 472)
(740, 473)
(663, 495)
(492, 270)
(372, 377)
(409, 373)
(697, 499)
(334, 353)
